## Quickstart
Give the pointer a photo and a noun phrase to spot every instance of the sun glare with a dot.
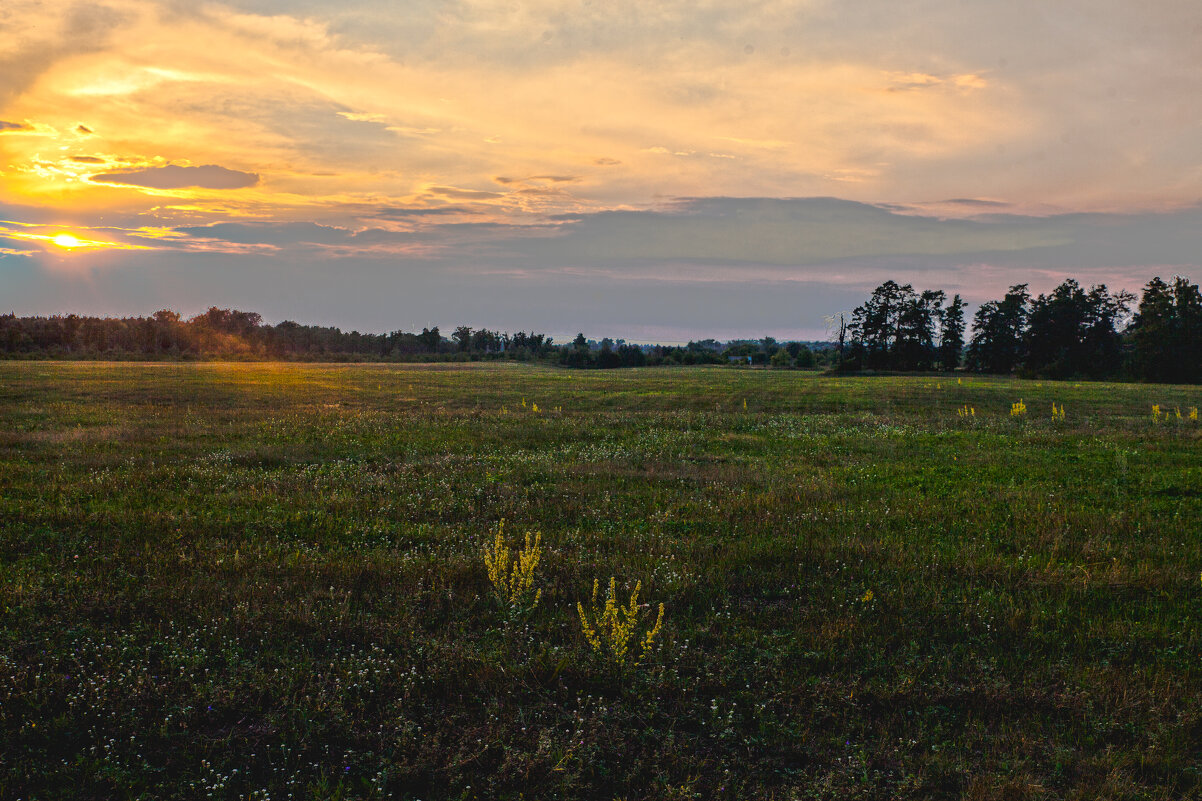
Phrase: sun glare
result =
(67, 241)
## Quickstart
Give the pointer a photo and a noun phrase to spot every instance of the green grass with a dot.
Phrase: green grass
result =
(218, 580)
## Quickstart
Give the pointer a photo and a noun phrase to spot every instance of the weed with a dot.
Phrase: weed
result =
(511, 571)
(610, 628)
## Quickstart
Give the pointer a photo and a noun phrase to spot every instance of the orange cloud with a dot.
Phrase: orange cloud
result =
(172, 176)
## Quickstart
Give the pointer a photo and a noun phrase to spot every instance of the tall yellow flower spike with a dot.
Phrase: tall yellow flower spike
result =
(511, 571)
(609, 629)
(1018, 409)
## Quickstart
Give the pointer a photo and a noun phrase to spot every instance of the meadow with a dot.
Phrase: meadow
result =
(267, 581)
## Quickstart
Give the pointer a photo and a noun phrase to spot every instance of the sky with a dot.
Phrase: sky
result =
(653, 171)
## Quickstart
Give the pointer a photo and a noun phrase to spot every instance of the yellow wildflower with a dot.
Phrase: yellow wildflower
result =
(511, 571)
(609, 628)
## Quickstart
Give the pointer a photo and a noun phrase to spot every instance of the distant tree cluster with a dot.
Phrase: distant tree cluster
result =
(586, 353)
(1069, 332)
(581, 354)
(231, 334)
(901, 329)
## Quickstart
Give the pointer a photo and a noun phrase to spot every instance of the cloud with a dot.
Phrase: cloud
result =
(554, 179)
(767, 144)
(88, 159)
(906, 81)
(605, 161)
(356, 116)
(781, 231)
(462, 194)
(11, 127)
(209, 176)
(976, 202)
(403, 212)
(36, 38)
(83, 130)
(277, 234)
(305, 239)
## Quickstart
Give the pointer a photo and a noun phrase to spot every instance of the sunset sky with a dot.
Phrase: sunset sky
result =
(651, 170)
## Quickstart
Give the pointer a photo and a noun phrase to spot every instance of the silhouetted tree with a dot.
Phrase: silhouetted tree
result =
(430, 339)
(1167, 332)
(951, 335)
(999, 326)
(1071, 332)
(917, 325)
(873, 328)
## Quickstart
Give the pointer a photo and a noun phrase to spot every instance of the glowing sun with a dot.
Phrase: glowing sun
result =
(67, 241)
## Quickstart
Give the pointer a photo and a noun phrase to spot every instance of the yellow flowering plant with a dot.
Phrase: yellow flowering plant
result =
(511, 571)
(611, 628)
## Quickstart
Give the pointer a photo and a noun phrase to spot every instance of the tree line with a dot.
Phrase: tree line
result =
(585, 353)
(1069, 332)
(232, 334)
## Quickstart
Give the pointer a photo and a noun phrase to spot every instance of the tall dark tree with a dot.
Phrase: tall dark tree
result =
(1071, 332)
(430, 339)
(917, 325)
(873, 326)
(999, 326)
(951, 334)
(1053, 337)
(1106, 319)
(1167, 332)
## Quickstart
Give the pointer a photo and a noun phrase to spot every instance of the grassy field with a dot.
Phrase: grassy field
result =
(265, 581)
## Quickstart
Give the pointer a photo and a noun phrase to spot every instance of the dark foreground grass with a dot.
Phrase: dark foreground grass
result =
(260, 581)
